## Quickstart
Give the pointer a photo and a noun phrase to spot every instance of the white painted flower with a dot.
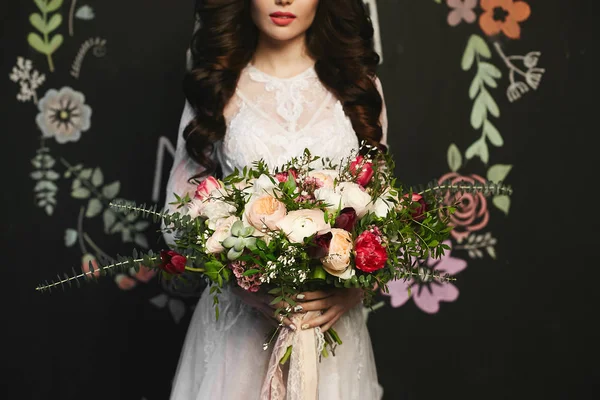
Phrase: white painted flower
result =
(63, 115)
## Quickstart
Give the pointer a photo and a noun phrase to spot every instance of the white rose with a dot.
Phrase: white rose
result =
(264, 185)
(222, 232)
(354, 196)
(300, 224)
(217, 209)
(329, 197)
(337, 261)
(325, 176)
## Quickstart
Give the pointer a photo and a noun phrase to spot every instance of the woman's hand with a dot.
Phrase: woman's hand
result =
(333, 303)
(261, 303)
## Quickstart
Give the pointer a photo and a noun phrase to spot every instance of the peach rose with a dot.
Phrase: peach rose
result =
(300, 224)
(337, 261)
(264, 210)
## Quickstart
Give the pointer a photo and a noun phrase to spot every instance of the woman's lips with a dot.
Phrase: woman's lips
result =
(282, 18)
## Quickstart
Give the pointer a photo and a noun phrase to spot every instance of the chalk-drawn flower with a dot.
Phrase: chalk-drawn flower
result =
(472, 212)
(503, 16)
(64, 115)
(428, 295)
(462, 10)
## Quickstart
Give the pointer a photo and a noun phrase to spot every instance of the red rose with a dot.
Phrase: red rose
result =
(370, 254)
(362, 170)
(172, 262)
(346, 220)
(419, 212)
(283, 176)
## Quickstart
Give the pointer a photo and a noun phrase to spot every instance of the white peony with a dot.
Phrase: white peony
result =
(300, 224)
(353, 195)
(329, 197)
(264, 185)
(382, 206)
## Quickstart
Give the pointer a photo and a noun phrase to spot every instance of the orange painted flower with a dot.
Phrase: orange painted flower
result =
(503, 15)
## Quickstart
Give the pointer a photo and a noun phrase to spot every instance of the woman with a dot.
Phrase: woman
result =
(270, 78)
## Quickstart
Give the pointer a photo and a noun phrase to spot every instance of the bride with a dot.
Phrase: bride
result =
(269, 79)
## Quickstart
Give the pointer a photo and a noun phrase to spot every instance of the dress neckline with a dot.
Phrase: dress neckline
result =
(308, 72)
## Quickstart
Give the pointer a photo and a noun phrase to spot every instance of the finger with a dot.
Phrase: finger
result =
(316, 295)
(316, 305)
(329, 324)
(322, 319)
(281, 319)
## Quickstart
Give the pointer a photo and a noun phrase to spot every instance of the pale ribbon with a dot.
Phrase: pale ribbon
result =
(303, 363)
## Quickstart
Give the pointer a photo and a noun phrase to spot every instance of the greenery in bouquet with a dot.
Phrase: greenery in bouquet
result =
(306, 225)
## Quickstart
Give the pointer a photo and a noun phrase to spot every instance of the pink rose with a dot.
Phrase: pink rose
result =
(206, 187)
(363, 170)
(472, 213)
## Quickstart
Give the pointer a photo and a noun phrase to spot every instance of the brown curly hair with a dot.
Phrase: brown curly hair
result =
(340, 40)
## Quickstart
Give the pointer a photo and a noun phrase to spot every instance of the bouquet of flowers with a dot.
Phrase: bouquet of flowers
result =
(306, 225)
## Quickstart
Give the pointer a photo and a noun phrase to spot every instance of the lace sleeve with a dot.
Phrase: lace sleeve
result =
(383, 117)
(184, 167)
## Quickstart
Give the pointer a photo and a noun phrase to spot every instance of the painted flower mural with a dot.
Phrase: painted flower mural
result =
(428, 295)
(503, 16)
(63, 115)
(472, 214)
(462, 10)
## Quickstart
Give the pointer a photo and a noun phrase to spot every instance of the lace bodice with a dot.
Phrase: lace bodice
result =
(274, 119)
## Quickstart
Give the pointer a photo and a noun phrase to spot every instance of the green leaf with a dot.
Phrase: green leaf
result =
(94, 208)
(475, 45)
(81, 193)
(141, 240)
(491, 104)
(54, 23)
(475, 85)
(250, 272)
(36, 175)
(489, 73)
(478, 148)
(502, 202)
(492, 134)
(49, 209)
(491, 251)
(141, 225)
(498, 172)
(38, 22)
(70, 237)
(41, 4)
(55, 43)
(97, 177)
(38, 44)
(110, 191)
(54, 5)
(52, 175)
(478, 113)
(109, 219)
(454, 157)
(86, 173)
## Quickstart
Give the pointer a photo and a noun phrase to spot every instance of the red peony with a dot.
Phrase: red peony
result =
(363, 170)
(172, 262)
(346, 220)
(370, 254)
(283, 176)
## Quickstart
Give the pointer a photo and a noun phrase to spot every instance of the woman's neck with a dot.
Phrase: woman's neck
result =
(282, 59)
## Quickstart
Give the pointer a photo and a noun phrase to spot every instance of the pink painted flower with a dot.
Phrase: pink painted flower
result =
(427, 296)
(144, 275)
(462, 10)
(472, 213)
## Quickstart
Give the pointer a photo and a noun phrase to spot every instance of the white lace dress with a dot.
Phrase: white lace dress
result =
(273, 119)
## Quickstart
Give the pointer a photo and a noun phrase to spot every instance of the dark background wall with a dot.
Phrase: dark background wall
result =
(512, 326)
